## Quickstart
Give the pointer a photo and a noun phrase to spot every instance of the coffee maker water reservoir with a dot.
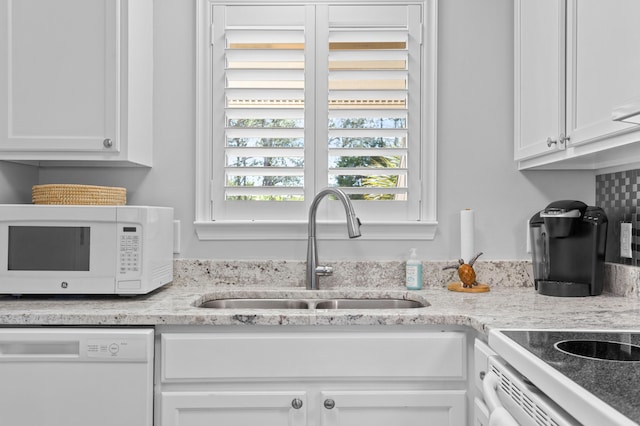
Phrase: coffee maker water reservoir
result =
(568, 240)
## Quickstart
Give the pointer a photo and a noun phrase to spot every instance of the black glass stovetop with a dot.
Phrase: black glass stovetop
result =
(607, 364)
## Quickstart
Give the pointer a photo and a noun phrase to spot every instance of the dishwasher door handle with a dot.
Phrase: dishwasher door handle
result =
(498, 415)
(17, 349)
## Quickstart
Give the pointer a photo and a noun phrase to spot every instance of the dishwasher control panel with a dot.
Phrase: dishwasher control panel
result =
(125, 349)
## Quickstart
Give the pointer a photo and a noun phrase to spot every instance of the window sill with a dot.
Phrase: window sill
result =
(298, 230)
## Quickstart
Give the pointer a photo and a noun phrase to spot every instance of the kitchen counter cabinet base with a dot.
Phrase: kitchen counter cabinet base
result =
(323, 378)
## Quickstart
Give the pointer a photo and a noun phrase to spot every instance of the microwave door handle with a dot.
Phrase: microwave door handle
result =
(498, 415)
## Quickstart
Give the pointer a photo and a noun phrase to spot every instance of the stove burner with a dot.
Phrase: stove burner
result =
(600, 349)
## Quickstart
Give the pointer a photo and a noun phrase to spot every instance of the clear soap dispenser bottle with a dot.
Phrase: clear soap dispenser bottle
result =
(413, 279)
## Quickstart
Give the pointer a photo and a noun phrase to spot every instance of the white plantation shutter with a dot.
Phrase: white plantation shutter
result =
(304, 96)
(373, 118)
(260, 137)
(368, 110)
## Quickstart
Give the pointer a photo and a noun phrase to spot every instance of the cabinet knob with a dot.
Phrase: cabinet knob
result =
(296, 403)
(560, 142)
(107, 143)
(329, 404)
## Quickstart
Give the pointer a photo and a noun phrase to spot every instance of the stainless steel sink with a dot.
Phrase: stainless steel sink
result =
(368, 304)
(298, 303)
(255, 304)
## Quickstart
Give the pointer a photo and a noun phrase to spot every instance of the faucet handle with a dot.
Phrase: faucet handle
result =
(324, 271)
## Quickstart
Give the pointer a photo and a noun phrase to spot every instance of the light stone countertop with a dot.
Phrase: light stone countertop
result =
(511, 303)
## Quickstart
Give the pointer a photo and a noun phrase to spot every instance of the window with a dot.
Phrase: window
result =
(295, 97)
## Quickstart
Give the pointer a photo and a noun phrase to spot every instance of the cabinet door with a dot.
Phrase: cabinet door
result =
(480, 413)
(539, 82)
(58, 75)
(384, 408)
(603, 67)
(233, 408)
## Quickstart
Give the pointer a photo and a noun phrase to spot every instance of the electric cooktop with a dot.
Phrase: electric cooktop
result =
(605, 364)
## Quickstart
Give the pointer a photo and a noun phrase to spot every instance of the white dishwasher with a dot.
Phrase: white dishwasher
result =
(76, 376)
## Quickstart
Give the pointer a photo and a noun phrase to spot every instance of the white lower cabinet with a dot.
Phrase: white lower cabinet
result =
(302, 377)
(481, 355)
(343, 408)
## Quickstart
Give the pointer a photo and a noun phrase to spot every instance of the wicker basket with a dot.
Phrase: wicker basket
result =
(79, 195)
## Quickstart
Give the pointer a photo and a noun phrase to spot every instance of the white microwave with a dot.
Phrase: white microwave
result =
(56, 249)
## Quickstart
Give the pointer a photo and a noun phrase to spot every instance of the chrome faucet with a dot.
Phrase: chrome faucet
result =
(353, 228)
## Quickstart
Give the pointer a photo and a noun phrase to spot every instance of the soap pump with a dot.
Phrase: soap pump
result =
(413, 279)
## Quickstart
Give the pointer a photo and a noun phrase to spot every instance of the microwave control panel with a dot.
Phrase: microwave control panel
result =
(130, 240)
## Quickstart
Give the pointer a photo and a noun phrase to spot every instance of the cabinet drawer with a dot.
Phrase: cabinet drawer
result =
(215, 356)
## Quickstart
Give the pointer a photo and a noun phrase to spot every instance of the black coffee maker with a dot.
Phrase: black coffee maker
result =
(568, 242)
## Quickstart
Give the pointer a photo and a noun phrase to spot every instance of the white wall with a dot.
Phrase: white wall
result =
(475, 127)
(16, 181)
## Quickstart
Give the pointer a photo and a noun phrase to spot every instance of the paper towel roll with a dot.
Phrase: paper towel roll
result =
(467, 235)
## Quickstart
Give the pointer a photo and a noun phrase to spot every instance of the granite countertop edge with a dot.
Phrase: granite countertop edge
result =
(511, 302)
(519, 307)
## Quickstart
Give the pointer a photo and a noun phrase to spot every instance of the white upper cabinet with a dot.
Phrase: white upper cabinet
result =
(539, 85)
(603, 65)
(76, 81)
(574, 65)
